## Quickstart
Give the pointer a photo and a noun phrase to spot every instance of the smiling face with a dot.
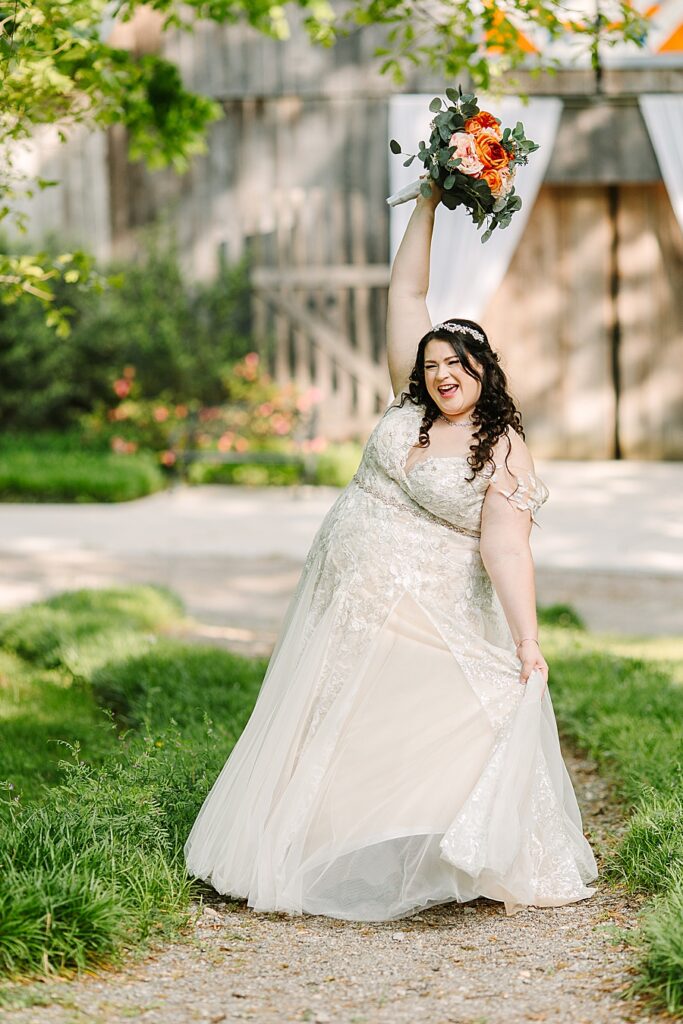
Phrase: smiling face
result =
(453, 389)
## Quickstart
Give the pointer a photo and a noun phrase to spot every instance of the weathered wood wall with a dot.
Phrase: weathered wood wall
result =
(589, 323)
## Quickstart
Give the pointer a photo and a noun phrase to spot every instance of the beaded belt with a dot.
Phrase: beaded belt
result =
(414, 509)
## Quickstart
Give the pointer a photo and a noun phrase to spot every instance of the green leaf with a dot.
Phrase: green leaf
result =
(452, 95)
(435, 105)
(395, 146)
(408, 162)
(426, 189)
(449, 181)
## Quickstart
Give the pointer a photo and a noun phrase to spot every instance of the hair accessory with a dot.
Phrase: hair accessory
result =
(458, 329)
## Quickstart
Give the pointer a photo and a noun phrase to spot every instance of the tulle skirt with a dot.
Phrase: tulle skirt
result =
(411, 790)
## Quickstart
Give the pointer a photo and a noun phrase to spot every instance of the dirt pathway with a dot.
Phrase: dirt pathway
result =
(464, 964)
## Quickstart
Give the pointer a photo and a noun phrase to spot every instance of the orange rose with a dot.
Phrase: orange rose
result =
(490, 151)
(483, 119)
(500, 182)
(494, 181)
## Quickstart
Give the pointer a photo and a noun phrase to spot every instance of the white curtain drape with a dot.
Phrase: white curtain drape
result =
(464, 272)
(663, 115)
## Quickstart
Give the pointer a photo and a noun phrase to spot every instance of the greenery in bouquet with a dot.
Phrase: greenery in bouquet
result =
(473, 159)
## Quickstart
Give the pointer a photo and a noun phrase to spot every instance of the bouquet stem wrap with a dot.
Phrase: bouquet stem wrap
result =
(405, 194)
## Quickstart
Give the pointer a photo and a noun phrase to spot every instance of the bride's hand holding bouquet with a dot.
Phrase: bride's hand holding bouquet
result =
(471, 159)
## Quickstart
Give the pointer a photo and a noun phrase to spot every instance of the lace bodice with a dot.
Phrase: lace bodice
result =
(439, 485)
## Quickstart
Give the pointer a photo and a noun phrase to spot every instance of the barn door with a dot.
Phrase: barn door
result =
(589, 323)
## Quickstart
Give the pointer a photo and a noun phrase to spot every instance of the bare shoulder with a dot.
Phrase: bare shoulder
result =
(512, 446)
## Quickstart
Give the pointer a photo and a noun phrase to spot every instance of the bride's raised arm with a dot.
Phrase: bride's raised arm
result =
(407, 316)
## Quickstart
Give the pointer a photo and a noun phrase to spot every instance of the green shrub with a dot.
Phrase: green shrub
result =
(48, 442)
(561, 615)
(337, 464)
(37, 476)
(247, 474)
(178, 335)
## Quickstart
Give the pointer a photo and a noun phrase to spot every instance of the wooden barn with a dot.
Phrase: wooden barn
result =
(588, 315)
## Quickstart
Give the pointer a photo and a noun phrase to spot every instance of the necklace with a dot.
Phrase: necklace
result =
(454, 423)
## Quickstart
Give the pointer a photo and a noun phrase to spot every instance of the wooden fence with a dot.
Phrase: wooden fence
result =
(321, 323)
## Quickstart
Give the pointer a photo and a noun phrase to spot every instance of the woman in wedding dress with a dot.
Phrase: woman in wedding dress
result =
(403, 750)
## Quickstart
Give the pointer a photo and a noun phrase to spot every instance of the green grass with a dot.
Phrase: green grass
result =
(70, 476)
(621, 700)
(91, 848)
(93, 818)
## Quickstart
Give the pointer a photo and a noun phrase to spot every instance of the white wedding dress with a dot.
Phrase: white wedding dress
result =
(393, 760)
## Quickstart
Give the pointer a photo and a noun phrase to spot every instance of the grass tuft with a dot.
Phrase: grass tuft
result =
(627, 713)
(659, 945)
(94, 865)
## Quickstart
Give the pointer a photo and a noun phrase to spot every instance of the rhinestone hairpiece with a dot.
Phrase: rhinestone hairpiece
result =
(459, 328)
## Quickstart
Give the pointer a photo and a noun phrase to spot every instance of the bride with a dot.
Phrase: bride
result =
(403, 750)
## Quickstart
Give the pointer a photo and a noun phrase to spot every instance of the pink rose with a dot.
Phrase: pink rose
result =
(508, 180)
(466, 150)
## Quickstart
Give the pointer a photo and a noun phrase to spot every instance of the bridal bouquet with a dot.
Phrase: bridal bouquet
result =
(472, 158)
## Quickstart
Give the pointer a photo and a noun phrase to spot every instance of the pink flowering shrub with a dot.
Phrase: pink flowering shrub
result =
(256, 415)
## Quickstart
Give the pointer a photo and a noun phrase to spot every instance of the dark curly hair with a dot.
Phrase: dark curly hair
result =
(495, 409)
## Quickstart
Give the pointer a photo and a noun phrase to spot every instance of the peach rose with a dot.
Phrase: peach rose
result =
(483, 120)
(490, 151)
(466, 150)
(500, 182)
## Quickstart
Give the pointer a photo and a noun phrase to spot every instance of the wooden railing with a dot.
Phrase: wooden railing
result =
(321, 323)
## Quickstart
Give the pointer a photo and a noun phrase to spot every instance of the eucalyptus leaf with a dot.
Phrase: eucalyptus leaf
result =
(395, 146)
(426, 189)
(452, 95)
(408, 162)
(449, 182)
(435, 105)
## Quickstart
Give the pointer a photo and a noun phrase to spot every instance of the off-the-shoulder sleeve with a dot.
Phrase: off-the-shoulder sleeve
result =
(522, 488)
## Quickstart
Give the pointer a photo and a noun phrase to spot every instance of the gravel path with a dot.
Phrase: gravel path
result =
(469, 964)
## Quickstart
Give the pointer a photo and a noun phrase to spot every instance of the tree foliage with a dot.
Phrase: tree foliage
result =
(57, 67)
